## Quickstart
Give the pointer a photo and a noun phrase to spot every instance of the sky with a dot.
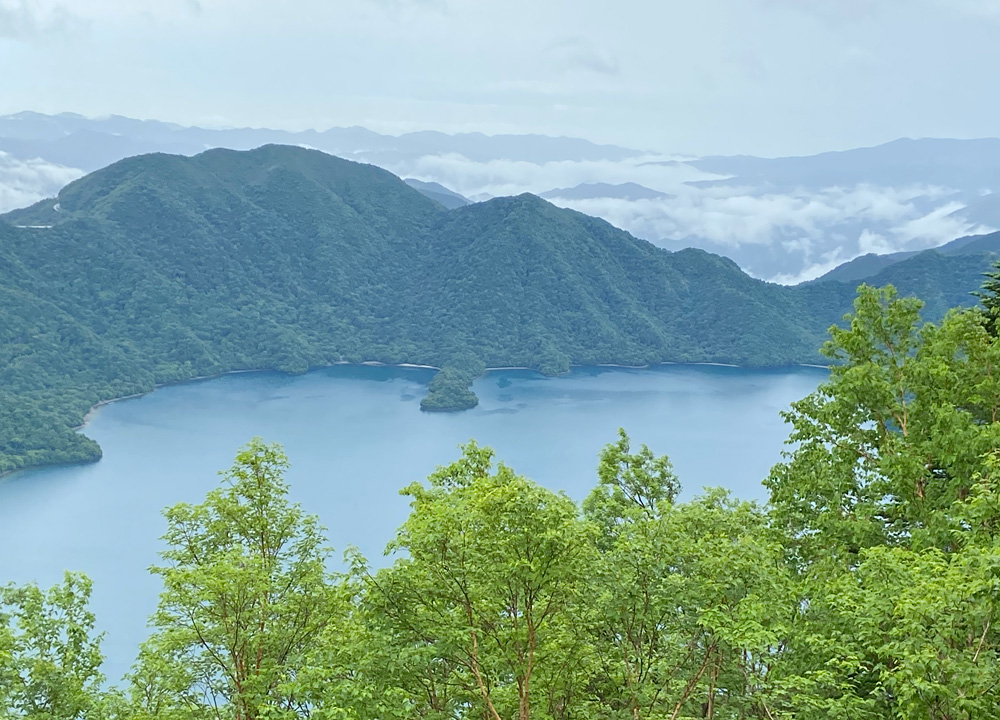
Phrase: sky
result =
(763, 77)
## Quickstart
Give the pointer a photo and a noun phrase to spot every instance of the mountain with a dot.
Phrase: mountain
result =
(867, 266)
(941, 281)
(161, 268)
(984, 210)
(439, 193)
(75, 141)
(960, 164)
(592, 191)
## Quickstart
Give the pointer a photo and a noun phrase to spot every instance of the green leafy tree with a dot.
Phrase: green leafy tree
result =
(246, 594)
(632, 486)
(989, 296)
(357, 670)
(690, 612)
(890, 510)
(907, 633)
(480, 612)
(895, 437)
(50, 657)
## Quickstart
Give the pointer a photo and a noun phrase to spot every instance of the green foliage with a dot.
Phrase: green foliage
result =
(486, 595)
(245, 596)
(890, 512)
(632, 487)
(50, 657)
(895, 437)
(989, 296)
(449, 390)
(691, 608)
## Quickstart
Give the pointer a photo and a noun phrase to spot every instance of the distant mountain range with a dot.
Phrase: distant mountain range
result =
(161, 268)
(89, 144)
(959, 164)
(592, 191)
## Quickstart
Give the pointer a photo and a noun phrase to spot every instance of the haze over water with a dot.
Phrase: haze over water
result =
(355, 436)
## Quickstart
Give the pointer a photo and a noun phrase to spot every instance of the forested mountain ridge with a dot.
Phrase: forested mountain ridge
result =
(861, 268)
(162, 268)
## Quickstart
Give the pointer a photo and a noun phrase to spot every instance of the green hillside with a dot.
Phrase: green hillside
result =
(162, 268)
(862, 268)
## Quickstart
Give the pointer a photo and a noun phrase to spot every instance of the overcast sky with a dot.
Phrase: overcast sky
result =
(765, 77)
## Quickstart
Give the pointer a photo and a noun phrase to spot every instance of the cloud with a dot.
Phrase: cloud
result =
(509, 177)
(791, 237)
(824, 264)
(15, 20)
(840, 12)
(23, 182)
(989, 9)
(22, 19)
(844, 12)
(927, 230)
(871, 242)
(574, 54)
(26, 18)
(398, 6)
(784, 237)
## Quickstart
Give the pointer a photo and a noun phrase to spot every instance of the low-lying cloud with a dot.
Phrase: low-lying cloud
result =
(23, 182)
(786, 237)
(509, 177)
(790, 238)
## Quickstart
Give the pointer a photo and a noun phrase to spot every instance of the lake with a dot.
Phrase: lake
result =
(355, 435)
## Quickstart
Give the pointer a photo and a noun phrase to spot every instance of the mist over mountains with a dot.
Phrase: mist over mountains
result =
(781, 219)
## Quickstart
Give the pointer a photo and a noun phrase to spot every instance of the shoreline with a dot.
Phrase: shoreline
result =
(96, 408)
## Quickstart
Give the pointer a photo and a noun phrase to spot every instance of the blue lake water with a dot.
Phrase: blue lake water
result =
(355, 435)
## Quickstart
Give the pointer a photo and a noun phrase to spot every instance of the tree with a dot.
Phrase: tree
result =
(50, 658)
(632, 486)
(905, 633)
(480, 611)
(890, 511)
(246, 594)
(895, 437)
(989, 296)
(690, 611)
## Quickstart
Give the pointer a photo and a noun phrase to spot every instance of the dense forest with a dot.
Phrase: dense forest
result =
(162, 268)
(866, 589)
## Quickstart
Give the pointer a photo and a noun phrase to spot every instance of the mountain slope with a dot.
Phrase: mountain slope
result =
(941, 281)
(862, 267)
(161, 268)
(439, 193)
(867, 266)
